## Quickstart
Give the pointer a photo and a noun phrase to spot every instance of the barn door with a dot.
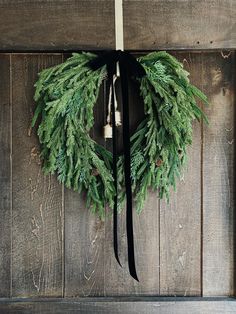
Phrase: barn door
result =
(50, 244)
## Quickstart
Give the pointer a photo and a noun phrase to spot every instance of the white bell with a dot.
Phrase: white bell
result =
(107, 129)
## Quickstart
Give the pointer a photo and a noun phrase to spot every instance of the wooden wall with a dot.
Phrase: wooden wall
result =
(51, 245)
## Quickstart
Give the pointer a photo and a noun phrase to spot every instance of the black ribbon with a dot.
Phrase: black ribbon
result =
(129, 67)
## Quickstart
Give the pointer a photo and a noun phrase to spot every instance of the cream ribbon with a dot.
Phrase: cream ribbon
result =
(119, 33)
(119, 30)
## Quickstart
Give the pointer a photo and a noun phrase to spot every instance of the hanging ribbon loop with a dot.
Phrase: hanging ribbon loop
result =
(125, 59)
(129, 67)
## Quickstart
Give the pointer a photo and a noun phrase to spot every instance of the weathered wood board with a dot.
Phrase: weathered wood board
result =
(179, 24)
(56, 24)
(218, 163)
(119, 306)
(5, 176)
(37, 218)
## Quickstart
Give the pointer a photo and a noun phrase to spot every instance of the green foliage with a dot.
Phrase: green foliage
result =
(65, 96)
(161, 140)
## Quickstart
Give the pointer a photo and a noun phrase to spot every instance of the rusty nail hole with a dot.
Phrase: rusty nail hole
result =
(198, 42)
(211, 42)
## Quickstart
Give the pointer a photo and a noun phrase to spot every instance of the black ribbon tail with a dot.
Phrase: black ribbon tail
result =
(111, 70)
(128, 183)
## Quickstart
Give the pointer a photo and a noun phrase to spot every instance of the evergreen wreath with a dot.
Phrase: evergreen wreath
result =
(65, 96)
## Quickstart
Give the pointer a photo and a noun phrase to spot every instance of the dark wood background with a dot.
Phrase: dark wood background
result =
(50, 244)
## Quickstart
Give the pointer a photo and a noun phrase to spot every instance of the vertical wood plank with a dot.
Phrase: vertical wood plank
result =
(5, 177)
(180, 220)
(37, 249)
(218, 175)
(146, 233)
(84, 234)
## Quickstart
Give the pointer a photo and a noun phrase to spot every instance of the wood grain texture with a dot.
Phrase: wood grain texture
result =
(84, 248)
(179, 24)
(5, 177)
(56, 24)
(85, 233)
(37, 248)
(219, 175)
(128, 306)
(180, 220)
